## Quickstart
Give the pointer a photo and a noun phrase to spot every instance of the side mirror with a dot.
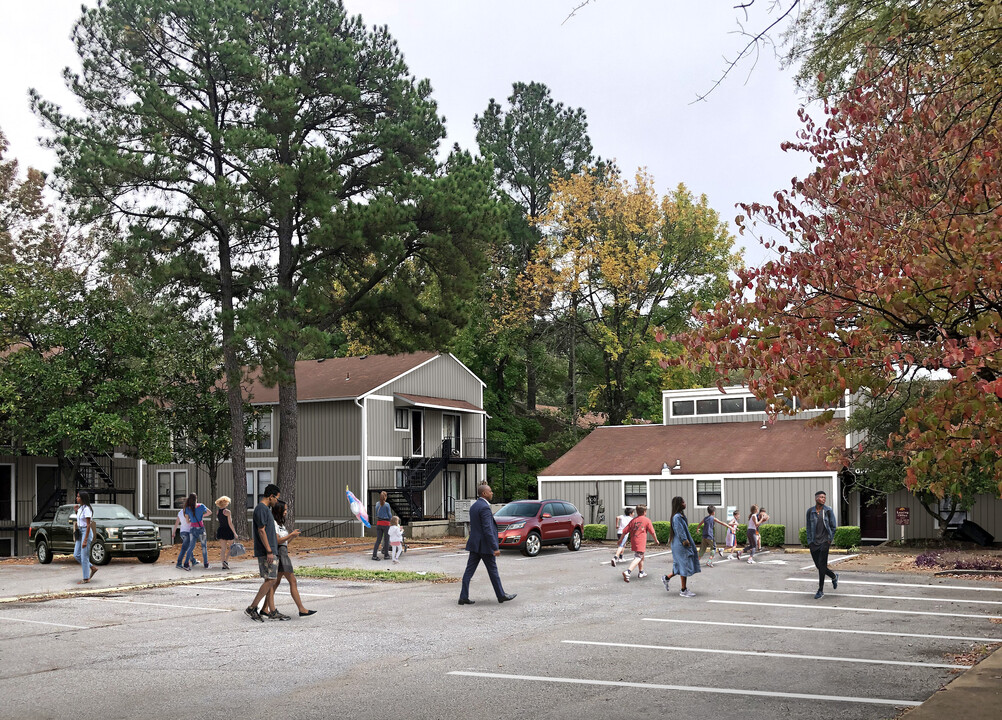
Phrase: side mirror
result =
(546, 515)
(141, 516)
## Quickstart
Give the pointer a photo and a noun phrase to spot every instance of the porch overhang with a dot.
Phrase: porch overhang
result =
(437, 403)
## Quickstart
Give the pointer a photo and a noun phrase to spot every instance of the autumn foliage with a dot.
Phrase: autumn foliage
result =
(889, 267)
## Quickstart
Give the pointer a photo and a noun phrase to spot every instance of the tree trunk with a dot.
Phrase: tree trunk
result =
(530, 375)
(288, 438)
(234, 393)
(212, 469)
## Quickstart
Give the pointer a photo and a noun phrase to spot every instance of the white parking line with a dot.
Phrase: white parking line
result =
(827, 630)
(39, 622)
(830, 562)
(897, 584)
(854, 609)
(283, 591)
(136, 602)
(687, 688)
(424, 547)
(762, 653)
(883, 597)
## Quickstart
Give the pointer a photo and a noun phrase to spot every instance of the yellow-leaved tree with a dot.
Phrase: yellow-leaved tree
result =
(618, 260)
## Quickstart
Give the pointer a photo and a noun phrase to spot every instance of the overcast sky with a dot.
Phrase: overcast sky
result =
(635, 66)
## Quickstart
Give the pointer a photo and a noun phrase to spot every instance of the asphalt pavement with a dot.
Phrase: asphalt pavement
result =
(577, 642)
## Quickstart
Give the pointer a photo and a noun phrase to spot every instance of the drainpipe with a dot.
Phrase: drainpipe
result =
(364, 461)
(139, 487)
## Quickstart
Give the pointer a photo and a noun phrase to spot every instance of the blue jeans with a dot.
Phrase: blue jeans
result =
(185, 544)
(81, 553)
(198, 534)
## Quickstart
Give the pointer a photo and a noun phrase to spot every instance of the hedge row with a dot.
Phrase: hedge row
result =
(772, 535)
(846, 536)
(595, 532)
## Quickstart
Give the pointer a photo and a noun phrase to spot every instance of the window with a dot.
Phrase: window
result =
(708, 492)
(732, 405)
(257, 481)
(400, 477)
(62, 516)
(754, 405)
(943, 508)
(682, 407)
(635, 493)
(401, 418)
(707, 407)
(262, 432)
(6, 492)
(548, 510)
(172, 489)
(569, 509)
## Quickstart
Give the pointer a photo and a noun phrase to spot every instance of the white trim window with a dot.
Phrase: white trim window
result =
(7, 492)
(401, 419)
(634, 493)
(262, 429)
(257, 481)
(172, 489)
(709, 492)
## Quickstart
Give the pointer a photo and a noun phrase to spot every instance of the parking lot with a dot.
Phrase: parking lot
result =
(578, 642)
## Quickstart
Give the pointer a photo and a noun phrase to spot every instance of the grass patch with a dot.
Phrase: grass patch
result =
(397, 576)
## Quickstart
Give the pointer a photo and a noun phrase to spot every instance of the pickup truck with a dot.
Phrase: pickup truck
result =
(119, 534)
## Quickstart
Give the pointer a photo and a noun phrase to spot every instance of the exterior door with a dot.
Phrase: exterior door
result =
(61, 534)
(873, 516)
(417, 433)
(549, 527)
(46, 483)
(452, 431)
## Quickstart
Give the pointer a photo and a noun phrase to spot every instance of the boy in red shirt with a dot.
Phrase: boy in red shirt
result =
(638, 529)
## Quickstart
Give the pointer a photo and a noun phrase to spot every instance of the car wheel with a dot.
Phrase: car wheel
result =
(149, 557)
(532, 545)
(575, 543)
(42, 552)
(99, 554)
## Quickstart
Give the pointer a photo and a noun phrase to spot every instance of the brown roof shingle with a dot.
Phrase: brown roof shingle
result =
(339, 378)
(439, 402)
(737, 447)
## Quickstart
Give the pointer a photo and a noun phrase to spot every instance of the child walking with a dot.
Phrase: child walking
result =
(638, 530)
(753, 522)
(709, 542)
(396, 538)
(731, 539)
(622, 522)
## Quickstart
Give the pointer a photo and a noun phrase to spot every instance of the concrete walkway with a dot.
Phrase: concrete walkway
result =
(975, 695)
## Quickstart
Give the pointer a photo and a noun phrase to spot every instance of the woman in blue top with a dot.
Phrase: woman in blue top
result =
(684, 557)
(195, 511)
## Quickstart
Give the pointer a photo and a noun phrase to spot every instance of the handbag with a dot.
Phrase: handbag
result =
(237, 548)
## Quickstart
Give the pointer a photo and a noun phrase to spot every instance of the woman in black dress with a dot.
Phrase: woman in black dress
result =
(225, 532)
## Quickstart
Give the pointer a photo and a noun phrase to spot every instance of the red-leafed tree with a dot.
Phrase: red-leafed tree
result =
(889, 267)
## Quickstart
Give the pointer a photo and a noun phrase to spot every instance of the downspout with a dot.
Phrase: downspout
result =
(364, 460)
(139, 487)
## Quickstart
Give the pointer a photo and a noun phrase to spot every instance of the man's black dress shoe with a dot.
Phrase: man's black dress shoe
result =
(466, 602)
(507, 597)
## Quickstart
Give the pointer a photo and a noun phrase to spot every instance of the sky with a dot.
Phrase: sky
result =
(634, 66)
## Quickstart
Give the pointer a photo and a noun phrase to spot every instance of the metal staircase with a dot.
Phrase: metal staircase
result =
(407, 500)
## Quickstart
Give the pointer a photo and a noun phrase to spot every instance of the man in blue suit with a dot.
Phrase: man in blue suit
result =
(483, 546)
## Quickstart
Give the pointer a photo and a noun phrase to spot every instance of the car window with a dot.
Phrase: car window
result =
(569, 509)
(548, 508)
(518, 509)
(62, 515)
(112, 512)
(559, 508)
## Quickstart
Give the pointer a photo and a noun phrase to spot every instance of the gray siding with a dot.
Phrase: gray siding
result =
(660, 493)
(384, 440)
(576, 492)
(442, 377)
(785, 499)
(986, 512)
(330, 428)
(757, 417)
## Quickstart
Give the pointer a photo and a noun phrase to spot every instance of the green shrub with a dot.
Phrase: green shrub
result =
(661, 530)
(773, 535)
(803, 536)
(696, 530)
(847, 536)
(742, 537)
(595, 532)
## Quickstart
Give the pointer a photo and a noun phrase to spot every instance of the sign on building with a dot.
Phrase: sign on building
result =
(902, 516)
(731, 509)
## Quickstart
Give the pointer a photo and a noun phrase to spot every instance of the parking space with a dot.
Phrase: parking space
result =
(578, 639)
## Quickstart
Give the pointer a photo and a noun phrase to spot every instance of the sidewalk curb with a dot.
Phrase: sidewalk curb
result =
(38, 597)
(974, 695)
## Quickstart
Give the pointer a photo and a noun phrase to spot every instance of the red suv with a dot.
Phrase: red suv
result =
(530, 524)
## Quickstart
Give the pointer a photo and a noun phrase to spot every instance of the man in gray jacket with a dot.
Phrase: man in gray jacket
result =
(821, 526)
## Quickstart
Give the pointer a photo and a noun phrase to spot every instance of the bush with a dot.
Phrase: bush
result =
(742, 536)
(803, 536)
(696, 530)
(847, 536)
(661, 530)
(595, 532)
(773, 535)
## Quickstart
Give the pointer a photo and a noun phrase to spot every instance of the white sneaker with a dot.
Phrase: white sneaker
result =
(614, 561)
(751, 561)
(642, 574)
(664, 581)
(626, 576)
(732, 556)
(687, 593)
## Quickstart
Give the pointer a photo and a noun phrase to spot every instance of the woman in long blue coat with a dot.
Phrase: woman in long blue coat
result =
(685, 557)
